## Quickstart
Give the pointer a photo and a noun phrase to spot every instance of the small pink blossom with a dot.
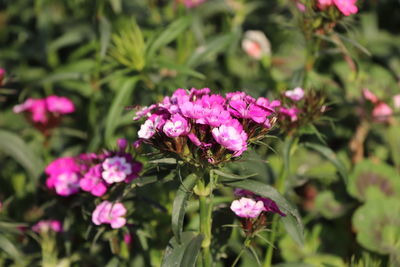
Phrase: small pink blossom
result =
(46, 225)
(2, 75)
(382, 112)
(59, 104)
(147, 129)
(296, 94)
(116, 169)
(368, 95)
(92, 181)
(347, 7)
(256, 44)
(176, 126)
(290, 112)
(64, 175)
(144, 112)
(232, 137)
(109, 213)
(247, 207)
(396, 101)
(193, 3)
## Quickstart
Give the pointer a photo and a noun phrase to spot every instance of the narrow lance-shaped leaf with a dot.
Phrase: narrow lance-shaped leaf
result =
(117, 106)
(14, 146)
(179, 206)
(331, 156)
(183, 254)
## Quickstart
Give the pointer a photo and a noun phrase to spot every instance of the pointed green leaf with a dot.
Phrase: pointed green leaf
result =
(331, 156)
(184, 254)
(179, 206)
(117, 106)
(14, 146)
(105, 36)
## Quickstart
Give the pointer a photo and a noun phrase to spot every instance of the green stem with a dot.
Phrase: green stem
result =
(205, 205)
(280, 186)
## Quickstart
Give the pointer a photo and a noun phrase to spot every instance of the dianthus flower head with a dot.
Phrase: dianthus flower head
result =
(109, 213)
(93, 182)
(296, 94)
(220, 126)
(116, 169)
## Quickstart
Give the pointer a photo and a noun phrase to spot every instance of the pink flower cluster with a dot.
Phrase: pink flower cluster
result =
(347, 7)
(251, 205)
(92, 172)
(45, 110)
(109, 213)
(212, 127)
(381, 112)
(46, 225)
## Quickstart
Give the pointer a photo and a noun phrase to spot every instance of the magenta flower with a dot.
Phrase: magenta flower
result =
(109, 213)
(47, 225)
(347, 7)
(270, 206)
(92, 181)
(116, 169)
(192, 3)
(147, 129)
(296, 94)
(247, 207)
(64, 175)
(2, 75)
(290, 112)
(59, 104)
(176, 126)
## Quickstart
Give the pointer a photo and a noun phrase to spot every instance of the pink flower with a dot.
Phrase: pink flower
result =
(368, 95)
(128, 238)
(144, 112)
(92, 181)
(116, 169)
(347, 7)
(59, 104)
(231, 136)
(147, 130)
(247, 207)
(176, 126)
(382, 112)
(2, 75)
(296, 94)
(109, 213)
(396, 100)
(46, 225)
(64, 175)
(290, 112)
(256, 44)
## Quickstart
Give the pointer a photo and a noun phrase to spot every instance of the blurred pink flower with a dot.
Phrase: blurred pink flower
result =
(296, 94)
(256, 44)
(368, 95)
(109, 213)
(59, 104)
(2, 75)
(290, 112)
(64, 175)
(382, 112)
(192, 3)
(247, 207)
(347, 7)
(46, 225)
(396, 101)
(93, 182)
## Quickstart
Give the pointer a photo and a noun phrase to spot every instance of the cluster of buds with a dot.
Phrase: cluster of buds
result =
(91, 172)
(252, 209)
(45, 113)
(204, 128)
(299, 108)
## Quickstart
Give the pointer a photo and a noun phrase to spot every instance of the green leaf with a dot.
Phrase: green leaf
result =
(331, 156)
(14, 146)
(163, 161)
(117, 106)
(105, 35)
(170, 34)
(184, 254)
(292, 220)
(8, 246)
(231, 176)
(213, 47)
(179, 206)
